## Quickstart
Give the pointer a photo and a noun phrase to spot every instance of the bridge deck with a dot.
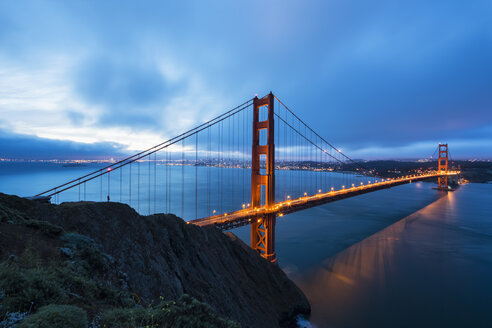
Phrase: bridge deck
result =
(244, 217)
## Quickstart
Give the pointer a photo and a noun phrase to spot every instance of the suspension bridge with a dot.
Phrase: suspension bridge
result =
(248, 166)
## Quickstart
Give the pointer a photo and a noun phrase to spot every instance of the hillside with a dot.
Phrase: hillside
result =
(104, 257)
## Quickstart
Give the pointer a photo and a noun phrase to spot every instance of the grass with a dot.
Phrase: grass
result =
(56, 316)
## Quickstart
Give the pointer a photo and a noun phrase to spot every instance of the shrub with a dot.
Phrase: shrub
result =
(25, 290)
(56, 316)
(74, 240)
(186, 312)
(9, 214)
(86, 252)
(45, 226)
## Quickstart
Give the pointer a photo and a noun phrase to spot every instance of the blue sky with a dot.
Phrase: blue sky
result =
(380, 79)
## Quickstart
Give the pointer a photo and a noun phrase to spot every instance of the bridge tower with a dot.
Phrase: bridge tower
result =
(263, 227)
(443, 166)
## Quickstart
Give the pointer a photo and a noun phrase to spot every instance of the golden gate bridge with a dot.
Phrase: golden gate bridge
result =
(248, 166)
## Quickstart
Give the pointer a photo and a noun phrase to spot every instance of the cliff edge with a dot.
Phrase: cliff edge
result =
(160, 257)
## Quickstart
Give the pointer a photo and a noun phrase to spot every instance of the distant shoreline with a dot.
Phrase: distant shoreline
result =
(477, 171)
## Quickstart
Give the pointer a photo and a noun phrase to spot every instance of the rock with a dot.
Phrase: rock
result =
(65, 251)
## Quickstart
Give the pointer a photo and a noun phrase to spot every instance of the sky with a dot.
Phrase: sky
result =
(379, 79)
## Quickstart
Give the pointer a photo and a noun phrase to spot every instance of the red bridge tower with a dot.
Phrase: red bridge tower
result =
(443, 166)
(263, 227)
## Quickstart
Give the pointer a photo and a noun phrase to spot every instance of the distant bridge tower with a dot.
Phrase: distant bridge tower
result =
(263, 227)
(443, 166)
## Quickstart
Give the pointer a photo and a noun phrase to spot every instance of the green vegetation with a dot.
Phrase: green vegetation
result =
(62, 279)
(46, 227)
(9, 214)
(56, 316)
(186, 312)
(26, 290)
(29, 283)
(41, 289)
(16, 217)
(86, 253)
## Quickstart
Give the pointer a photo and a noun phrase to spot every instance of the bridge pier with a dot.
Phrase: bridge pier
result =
(263, 227)
(263, 236)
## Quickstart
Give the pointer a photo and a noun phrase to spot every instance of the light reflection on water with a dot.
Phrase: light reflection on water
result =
(430, 269)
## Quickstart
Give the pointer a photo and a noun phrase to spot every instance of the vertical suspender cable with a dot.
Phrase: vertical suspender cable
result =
(170, 183)
(243, 151)
(231, 174)
(182, 178)
(138, 186)
(166, 174)
(196, 176)
(218, 166)
(209, 149)
(221, 195)
(149, 186)
(130, 186)
(155, 180)
(109, 185)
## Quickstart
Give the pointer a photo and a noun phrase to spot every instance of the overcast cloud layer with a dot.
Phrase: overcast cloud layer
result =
(378, 79)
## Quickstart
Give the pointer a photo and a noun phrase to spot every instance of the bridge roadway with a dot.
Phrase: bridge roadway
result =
(242, 217)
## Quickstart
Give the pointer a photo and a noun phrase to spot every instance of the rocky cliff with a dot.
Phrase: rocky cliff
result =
(164, 258)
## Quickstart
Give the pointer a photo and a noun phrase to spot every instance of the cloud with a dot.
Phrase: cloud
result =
(126, 91)
(31, 147)
(382, 74)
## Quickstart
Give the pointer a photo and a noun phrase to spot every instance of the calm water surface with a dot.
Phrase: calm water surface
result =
(432, 268)
(404, 257)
